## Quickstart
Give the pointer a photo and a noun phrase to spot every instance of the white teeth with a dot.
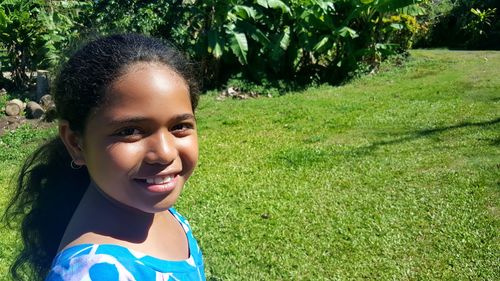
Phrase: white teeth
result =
(159, 180)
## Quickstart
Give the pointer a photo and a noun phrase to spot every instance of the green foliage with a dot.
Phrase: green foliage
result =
(304, 41)
(61, 25)
(34, 34)
(3, 101)
(222, 29)
(480, 23)
(471, 24)
(128, 16)
(307, 41)
(17, 36)
(401, 30)
(352, 34)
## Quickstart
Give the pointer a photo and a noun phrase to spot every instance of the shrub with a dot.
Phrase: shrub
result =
(469, 24)
(401, 30)
(33, 34)
(306, 41)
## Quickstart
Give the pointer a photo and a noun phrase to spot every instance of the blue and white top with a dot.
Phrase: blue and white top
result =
(91, 262)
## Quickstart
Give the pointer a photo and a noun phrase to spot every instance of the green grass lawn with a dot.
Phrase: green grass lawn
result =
(394, 176)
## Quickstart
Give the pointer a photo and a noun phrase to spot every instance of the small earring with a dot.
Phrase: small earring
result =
(75, 166)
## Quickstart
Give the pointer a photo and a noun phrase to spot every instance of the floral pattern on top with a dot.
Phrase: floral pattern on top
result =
(96, 262)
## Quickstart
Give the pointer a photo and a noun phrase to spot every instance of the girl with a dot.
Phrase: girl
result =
(97, 201)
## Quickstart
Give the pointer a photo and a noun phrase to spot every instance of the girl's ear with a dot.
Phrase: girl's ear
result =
(73, 142)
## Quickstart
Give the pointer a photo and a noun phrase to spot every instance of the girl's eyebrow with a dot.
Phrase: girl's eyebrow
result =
(185, 116)
(140, 119)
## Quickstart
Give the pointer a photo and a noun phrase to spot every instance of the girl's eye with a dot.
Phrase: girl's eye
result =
(127, 132)
(182, 128)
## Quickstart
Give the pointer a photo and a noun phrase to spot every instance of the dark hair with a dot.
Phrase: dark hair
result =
(48, 190)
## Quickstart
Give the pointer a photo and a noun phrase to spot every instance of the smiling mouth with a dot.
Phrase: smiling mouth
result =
(160, 180)
(159, 184)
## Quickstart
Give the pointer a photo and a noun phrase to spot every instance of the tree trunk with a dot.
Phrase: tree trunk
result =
(14, 107)
(34, 110)
(42, 83)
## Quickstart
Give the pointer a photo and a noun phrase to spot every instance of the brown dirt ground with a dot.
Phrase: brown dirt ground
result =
(9, 123)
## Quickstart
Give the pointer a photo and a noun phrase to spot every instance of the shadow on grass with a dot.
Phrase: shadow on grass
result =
(307, 156)
(431, 132)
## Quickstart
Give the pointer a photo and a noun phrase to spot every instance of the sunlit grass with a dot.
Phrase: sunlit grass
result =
(391, 177)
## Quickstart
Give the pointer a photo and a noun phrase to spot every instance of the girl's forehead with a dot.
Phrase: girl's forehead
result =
(155, 94)
(143, 76)
(147, 84)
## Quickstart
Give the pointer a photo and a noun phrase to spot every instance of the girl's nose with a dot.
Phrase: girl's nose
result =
(161, 148)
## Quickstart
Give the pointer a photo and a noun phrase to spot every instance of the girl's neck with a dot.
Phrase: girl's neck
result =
(115, 219)
(101, 216)
(96, 199)
(99, 220)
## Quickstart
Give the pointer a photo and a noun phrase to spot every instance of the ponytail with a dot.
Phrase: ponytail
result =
(47, 193)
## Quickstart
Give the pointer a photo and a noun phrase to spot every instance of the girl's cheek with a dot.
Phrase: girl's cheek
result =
(125, 152)
(189, 148)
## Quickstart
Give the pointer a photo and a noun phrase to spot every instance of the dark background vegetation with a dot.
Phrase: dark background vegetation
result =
(256, 45)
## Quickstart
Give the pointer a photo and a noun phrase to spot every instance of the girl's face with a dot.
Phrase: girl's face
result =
(141, 146)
